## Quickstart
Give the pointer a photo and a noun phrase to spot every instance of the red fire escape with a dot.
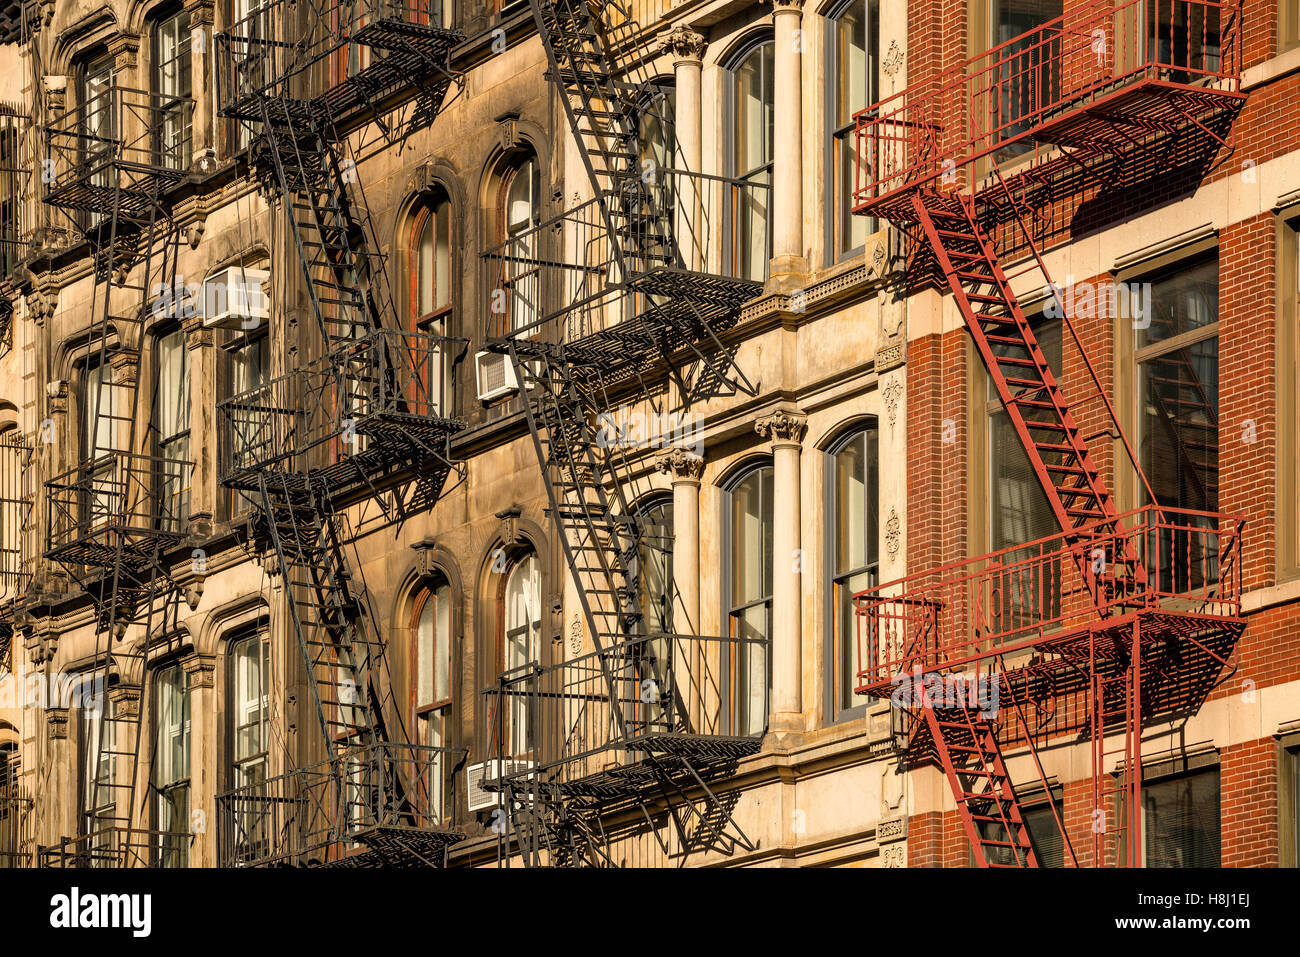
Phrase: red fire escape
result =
(1118, 618)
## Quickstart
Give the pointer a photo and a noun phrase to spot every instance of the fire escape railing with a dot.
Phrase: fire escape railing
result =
(564, 724)
(354, 403)
(371, 49)
(1032, 595)
(324, 813)
(559, 281)
(1020, 89)
(114, 847)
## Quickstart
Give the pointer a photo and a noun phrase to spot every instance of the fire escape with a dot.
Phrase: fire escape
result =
(1118, 618)
(623, 300)
(362, 419)
(116, 516)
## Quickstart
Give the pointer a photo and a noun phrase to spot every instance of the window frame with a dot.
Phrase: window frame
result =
(256, 633)
(165, 793)
(525, 317)
(176, 446)
(732, 691)
(834, 712)
(836, 135)
(184, 77)
(500, 650)
(1180, 769)
(732, 247)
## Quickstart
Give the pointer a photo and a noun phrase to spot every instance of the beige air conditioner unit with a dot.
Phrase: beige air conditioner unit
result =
(479, 797)
(235, 298)
(495, 374)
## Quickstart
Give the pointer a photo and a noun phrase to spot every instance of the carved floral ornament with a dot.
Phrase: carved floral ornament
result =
(782, 426)
(892, 393)
(681, 464)
(683, 43)
(893, 60)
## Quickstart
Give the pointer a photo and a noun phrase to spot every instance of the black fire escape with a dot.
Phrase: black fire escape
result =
(363, 418)
(621, 301)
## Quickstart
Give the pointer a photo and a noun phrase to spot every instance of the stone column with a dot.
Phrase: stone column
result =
(786, 428)
(687, 49)
(685, 470)
(789, 267)
(203, 135)
(205, 767)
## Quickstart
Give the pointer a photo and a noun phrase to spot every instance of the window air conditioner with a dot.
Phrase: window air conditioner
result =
(234, 298)
(496, 375)
(479, 797)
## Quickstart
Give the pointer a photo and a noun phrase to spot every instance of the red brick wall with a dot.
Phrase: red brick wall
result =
(1248, 802)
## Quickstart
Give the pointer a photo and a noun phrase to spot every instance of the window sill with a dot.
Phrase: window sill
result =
(1271, 69)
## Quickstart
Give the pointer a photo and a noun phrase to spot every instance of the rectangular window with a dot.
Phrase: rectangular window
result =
(172, 89)
(249, 370)
(1178, 400)
(98, 120)
(11, 193)
(1041, 821)
(1180, 821)
(172, 420)
(853, 72)
(854, 559)
(98, 733)
(171, 771)
(251, 702)
(1027, 72)
(433, 688)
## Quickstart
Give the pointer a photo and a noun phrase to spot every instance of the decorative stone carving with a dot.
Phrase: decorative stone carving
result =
(200, 670)
(684, 43)
(893, 533)
(780, 6)
(575, 634)
(125, 51)
(126, 699)
(510, 525)
(892, 392)
(893, 61)
(424, 556)
(782, 427)
(56, 723)
(508, 130)
(681, 465)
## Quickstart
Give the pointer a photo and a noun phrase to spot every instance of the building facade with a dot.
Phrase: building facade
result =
(849, 437)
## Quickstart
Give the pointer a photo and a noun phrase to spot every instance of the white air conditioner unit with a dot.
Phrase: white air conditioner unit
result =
(235, 298)
(496, 375)
(480, 798)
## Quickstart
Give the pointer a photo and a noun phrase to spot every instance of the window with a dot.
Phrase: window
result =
(433, 686)
(1178, 422)
(520, 641)
(1289, 801)
(1186, 35)
(430, 290)
(749, 526)
(749, 159)
(171, 771)
(1028, 71)
(655, 565)
(854, 559)
(12, 808)
(171, 86)
(11, 192)
(172, 421)
(852, 69)
(521, 214)
(1041, 820)
(1180, 821)
(250, 709)
(1019, 510)
(98, 765)
(249, 369)
(255, 22)
(1288, 27)
(98, 116)
(99, 439)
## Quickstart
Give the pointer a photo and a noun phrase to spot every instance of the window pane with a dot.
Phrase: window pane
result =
(751, 524)
(424, 641)
(1180, 820)
(442, 255)
(656, 567)
(442, 643)
(1186, 300)
(250, 662)
(855, 505)
(425, 270)
(172, 727)
(1180, 426)
(754, 105)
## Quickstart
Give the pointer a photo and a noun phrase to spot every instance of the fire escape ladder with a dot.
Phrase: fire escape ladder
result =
(330, 623)
(967, 746)
(1025, 384)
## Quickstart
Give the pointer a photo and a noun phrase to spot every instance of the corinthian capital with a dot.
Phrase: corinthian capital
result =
(681, 465)
(684, 43)
(782, 426)
(781, 6)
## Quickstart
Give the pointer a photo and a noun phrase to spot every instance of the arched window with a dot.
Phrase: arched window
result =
(748, 526)
(655, 571)
(852, 71)
(852, 495)
(519, 640)
(431, 624)
(750, 129)
(430, 294)
(520, 215)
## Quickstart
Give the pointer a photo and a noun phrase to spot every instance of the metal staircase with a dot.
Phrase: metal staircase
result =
(112, 516)
(1114, 94)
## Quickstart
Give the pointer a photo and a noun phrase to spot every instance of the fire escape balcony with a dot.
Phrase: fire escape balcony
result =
(608, 726)
(117, 154)
(686, 252)
(115, 847)
(1107, 79)
(1036, 606)
(369, 52)
(381, 804)
(16, 808)
(119, 510)
(361, 419)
